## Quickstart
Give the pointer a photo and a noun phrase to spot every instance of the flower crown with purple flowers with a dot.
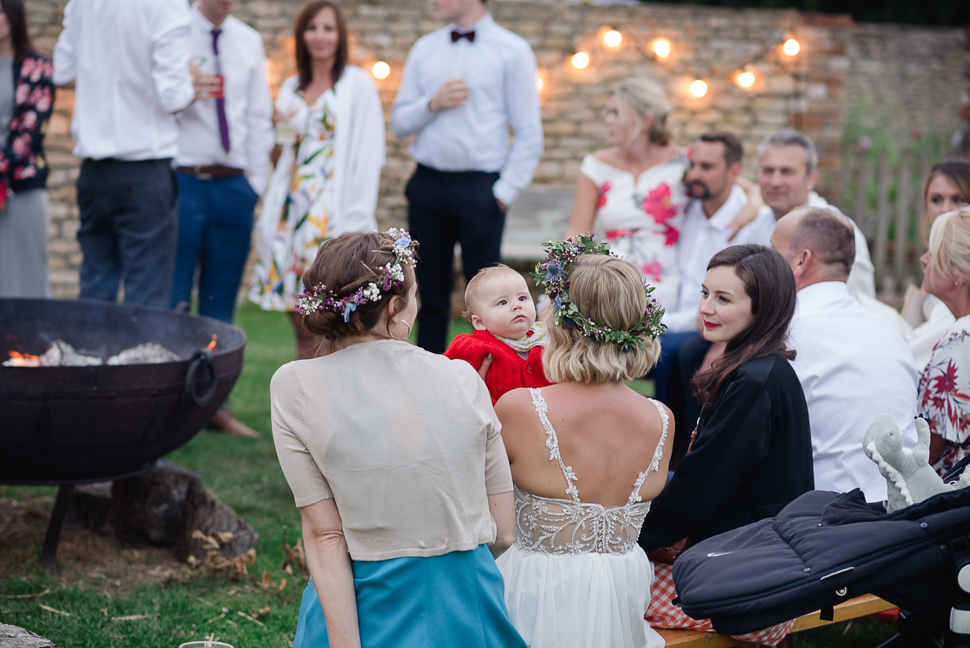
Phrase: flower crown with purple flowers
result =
(551, 275)
(320, 298)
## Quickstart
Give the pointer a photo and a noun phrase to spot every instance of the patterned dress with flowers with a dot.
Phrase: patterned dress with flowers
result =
(296, 214)
(641, 218)
(944, 393)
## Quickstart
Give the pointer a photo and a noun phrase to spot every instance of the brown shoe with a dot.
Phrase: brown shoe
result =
(224, 421)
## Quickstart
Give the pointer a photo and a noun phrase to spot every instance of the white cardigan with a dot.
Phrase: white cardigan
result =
(359, 153)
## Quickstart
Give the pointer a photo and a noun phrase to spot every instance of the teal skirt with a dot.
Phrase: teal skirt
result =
(457, 599)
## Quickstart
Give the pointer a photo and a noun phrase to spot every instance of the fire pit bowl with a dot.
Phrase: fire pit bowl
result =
(61, 425)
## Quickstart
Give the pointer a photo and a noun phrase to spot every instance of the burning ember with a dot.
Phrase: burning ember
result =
(212, 345)
(62, 354)
(22, 360)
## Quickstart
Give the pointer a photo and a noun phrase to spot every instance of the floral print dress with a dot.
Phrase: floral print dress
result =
(296, 215)
(642, 217)
(944, 393)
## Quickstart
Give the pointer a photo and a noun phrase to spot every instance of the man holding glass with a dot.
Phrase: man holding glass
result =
(129, 63)
(464, 87)
(224, 144)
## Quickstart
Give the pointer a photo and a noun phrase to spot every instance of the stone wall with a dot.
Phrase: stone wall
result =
(809, 91)
(906, 80)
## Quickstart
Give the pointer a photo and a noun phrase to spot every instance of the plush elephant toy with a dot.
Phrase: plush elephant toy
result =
(910, 477)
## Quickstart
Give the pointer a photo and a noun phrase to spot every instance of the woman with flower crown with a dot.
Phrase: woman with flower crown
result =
(751, 452)
(395, 459)
(587, 456)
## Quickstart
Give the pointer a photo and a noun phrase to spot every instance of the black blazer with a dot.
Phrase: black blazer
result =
(752, 456)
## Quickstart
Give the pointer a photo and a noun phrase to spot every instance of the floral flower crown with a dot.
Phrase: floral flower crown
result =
(320, 298)
(551, 275)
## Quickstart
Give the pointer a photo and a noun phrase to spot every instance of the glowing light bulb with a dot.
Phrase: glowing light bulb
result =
(791, 47)
(698, 88)
(539, 82)
(580, 60)
(745, 79)
(612, 38)
(661, 47)
(381, 70)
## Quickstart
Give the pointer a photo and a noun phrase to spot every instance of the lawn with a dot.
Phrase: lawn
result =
(137, 596)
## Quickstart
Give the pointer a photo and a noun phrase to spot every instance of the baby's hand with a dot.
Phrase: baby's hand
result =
(486, 364)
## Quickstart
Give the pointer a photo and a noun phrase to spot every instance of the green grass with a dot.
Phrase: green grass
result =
(99, 586)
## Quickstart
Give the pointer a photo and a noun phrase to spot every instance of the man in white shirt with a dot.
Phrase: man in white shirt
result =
(129, 63)
(464, 87)
(223, 154)
(715, 164)
(851, 363)
(788, 173)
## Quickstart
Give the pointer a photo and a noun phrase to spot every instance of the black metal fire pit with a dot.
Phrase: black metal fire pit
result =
(70, 425)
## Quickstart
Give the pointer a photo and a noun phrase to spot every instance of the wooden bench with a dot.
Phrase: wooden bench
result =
(851, 609)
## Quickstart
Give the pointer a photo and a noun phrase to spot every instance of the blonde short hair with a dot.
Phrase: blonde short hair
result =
(476, 283)
(644, 97)
(950, 244)
(609, 291)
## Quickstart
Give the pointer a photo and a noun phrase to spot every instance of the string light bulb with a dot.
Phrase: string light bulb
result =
(698, 88)
(661, 47)
(745, 79)
(612, 38)
(539, 83)
(791, 47)
(580, 60)
(381, 70)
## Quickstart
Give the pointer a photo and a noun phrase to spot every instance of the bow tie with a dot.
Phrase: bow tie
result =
(457, 36)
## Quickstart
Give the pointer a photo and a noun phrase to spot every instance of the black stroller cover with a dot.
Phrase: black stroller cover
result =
(822, 549)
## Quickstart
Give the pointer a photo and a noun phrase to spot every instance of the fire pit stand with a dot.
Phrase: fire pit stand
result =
(73, 425)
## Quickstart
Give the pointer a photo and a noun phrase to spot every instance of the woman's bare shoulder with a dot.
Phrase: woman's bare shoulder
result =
(512, 404)
(607, 155)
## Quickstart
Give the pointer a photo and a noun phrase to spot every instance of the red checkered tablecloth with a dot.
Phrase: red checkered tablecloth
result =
(661, 613)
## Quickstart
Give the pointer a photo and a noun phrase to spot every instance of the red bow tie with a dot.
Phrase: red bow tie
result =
(457, 36)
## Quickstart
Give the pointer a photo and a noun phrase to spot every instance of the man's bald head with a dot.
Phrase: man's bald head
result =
(828, 238)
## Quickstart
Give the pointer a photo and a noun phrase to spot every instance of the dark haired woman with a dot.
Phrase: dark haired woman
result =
(751, 452)
(329, 168)
(395, 459)
(26, 102)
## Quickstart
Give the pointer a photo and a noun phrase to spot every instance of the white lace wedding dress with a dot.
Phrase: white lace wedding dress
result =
(575, 576)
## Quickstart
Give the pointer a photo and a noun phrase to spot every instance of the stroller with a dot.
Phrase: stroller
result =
(824, 548)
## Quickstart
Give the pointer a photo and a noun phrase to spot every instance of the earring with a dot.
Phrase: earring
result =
(406, 335)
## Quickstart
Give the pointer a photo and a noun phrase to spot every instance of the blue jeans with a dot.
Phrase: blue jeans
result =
(215, 228)
(128, 230)
(445, 208)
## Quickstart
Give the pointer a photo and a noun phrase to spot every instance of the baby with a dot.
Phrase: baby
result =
(499, 306)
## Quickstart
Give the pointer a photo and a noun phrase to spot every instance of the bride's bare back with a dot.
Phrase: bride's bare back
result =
(607, 434)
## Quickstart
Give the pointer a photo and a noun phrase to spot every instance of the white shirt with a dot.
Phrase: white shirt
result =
(499, 69)
(852, 365)
(862, 276)
(129, 60)
(249, 106)
(700, 239)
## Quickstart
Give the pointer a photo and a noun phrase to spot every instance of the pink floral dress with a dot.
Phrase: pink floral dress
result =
(944, 393)
(642, 217)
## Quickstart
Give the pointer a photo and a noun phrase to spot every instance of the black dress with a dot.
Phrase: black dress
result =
(752, 456)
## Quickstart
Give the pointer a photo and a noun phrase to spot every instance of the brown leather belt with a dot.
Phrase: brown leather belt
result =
(210, 172)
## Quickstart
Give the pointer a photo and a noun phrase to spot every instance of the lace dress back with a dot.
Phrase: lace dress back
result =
(570, 526)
